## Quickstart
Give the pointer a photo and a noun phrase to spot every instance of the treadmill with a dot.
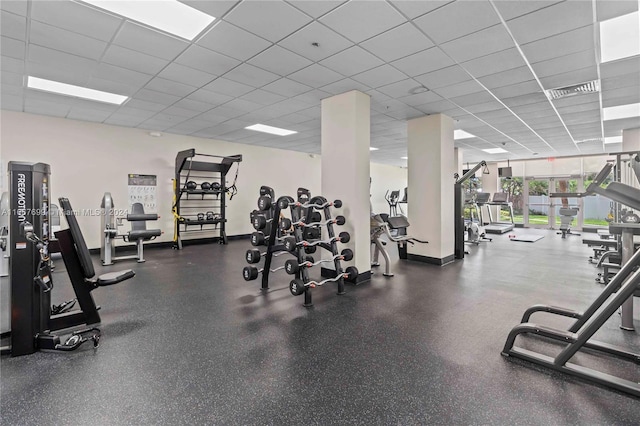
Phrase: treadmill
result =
(500, 199)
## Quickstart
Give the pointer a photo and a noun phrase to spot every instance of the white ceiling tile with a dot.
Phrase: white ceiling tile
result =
(351, 61)
(190, 126)
(473, 99)
(18, 7)
(459, 89)
(76, 17)
(623, 66)
(112, 86)
(156, 97)
(286, 87)
(66, 41)
(529, 99)
(186, 75)
(78, 76)
(423, 62)
(484, 107)
(463, 17)
(126, 58)
(494, 63)
(262, 97)
(279, 61)
(179, 111)
(13, 26)
(156, 124)
(399, 89)
(315, 8)
(168, 86)
(316, 76)
(570, 78)
(621, 96)
(212, 8)
(253, 76)
(243, 105)
(148, 41)
(481, 43)
(228, 87)
(11, 102)
(85, 114)
(11, 78)
(122, 75)
(435, 107)
(420, 99)
(272, 20)
(206, 60)
(312, 97)
(12, 48)
(380, 76)
(233, 41)
(612, 8)
(513, 76)
(444, 77)
(567, 63)
(552, 20)
(36, 106)
(397, 43)
(197, 101)
(510, 9)
(517, 89)
(360, 20)
(343, 86)
(413, 8)
(53, 58)
(144, 105)
(329, 42)
(11, 64)
(617, 82)
(559, 45)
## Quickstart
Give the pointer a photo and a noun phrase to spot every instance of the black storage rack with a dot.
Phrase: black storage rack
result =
(189, 202)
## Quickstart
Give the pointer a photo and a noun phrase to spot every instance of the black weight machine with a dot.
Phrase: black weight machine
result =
(35, 324)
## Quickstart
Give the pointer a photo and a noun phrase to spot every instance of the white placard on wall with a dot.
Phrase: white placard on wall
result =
(142, 189)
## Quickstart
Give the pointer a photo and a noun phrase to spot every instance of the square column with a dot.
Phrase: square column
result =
(631, 140)
(345, 170)
(431, 188)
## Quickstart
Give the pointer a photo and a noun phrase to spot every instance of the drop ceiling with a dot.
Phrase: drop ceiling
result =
(484, 63)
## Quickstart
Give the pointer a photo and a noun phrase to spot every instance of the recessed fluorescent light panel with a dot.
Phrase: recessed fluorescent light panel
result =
(271, 130)
(494, 151)
(404, 158)
(621, 111)
(75, 91)
(620, 37)
(461, 134)
(373, 148)
(613, 139)
(169, 16)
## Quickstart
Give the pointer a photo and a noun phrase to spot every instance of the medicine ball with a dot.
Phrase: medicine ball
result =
(206, 186)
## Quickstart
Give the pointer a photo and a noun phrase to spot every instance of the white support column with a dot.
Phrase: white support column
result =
(345, 170)
(631, 140)
(457, 160)
(490, 184)
(431, 188)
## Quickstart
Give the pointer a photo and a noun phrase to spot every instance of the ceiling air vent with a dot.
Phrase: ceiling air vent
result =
(576, 89)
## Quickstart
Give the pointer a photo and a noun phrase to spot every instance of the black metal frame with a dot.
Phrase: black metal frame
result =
(184, 161)
(459, 251)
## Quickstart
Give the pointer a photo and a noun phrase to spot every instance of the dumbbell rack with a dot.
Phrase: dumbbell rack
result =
(300, 213)
(188, 203)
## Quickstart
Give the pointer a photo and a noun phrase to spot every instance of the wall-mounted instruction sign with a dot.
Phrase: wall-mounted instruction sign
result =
(142, 189)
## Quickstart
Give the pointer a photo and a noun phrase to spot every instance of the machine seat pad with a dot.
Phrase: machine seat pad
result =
(397, 222)
(144, 233)
(111, 278)
(141, 217)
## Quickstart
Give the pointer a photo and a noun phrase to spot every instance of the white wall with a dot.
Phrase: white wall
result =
(88, 159)
(386, 178)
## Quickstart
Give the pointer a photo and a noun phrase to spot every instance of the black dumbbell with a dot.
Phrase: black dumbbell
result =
(200, 217)
(211, 215)
(250, 273)
(315, 217)
(352, 274)
(340, 220)
(310, 249)
(292, 266)
(347, 254)
(260, 222)
(290, 243)
(264, 203)
(258, 239)
(345, 237)
(311, 233)
(337, 204)
(297, 287)
(285, 224)
(254, 255)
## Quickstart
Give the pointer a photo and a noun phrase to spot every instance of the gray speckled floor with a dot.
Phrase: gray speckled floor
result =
(188, 341)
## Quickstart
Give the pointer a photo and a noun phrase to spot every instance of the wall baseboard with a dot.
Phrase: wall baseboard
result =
(431, 260)
(169, 244)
